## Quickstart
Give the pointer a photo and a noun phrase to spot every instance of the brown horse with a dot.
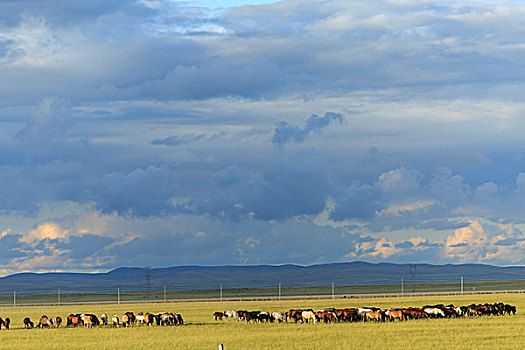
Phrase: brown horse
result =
(88, 322)
(45, 322)
(377, 316)
(218, 316)
(74, 320)
(5, 322)
(396, 314)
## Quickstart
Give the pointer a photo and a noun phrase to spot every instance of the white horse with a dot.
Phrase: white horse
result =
(115, 321)
(308, 316)
(278, 316)
(231, 314)
(434, 312)
(140, 319)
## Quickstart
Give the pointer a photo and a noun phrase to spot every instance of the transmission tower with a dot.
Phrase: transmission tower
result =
(412, 270)
(147, 276)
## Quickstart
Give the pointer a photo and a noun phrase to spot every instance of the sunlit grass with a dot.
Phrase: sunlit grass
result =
(202, 332)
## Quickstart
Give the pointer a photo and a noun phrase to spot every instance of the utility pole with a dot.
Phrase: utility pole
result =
(221, 292)
(333, 291)
(14, 298)
(461, 284)
(402, 286)
(118, 297)
(164, 292)
(279, 291)
(58, 296)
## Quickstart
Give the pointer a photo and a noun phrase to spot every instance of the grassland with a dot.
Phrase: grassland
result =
(263, 292)
(202, 332)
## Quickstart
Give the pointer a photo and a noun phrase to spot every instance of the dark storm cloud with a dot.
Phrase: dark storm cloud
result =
(298, 185)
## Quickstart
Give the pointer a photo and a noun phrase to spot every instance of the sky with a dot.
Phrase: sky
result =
(162, 133)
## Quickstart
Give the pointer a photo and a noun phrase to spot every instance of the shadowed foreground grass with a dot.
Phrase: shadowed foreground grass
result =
(202, 332)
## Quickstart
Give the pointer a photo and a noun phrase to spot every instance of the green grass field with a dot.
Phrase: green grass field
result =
(202, 332)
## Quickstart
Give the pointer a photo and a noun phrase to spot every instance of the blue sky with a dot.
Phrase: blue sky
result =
(161, 133)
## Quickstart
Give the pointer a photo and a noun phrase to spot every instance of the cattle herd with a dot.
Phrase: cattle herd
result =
(91, 320)
(366, 314)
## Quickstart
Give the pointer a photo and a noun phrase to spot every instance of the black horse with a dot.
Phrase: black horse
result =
(28, 323)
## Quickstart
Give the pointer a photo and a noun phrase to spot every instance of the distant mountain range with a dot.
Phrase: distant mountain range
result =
(261, 276)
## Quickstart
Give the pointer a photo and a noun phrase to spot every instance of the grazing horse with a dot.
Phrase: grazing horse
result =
(180, 320)
(509, 309)
(374, 316)
(149, 319)
(218, 315)
(309, 316)
(140, 318)
(88, 322)
(115, 321)
(351, 315)
(45, 322)
(295, 315)
(278, 316)
(396, 314)
(5, 323)
(58, 321)
(104, 319)
(231, 314)
(125, 320)
(434, 312)
(74, 320)
(128, 318)
(167, 318)
(28, 323)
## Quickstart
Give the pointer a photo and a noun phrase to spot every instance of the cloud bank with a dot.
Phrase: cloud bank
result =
(280, 132)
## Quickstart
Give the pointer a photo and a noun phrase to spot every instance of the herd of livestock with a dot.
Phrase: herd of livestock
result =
(327, 315)
(366, 314)
(91, 320)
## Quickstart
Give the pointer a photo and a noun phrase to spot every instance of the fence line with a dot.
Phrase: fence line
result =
(274, 298)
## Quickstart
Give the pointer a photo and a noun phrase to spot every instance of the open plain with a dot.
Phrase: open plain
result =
(201, 331)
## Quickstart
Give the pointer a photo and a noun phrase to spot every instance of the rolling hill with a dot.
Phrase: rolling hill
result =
(130, 279)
